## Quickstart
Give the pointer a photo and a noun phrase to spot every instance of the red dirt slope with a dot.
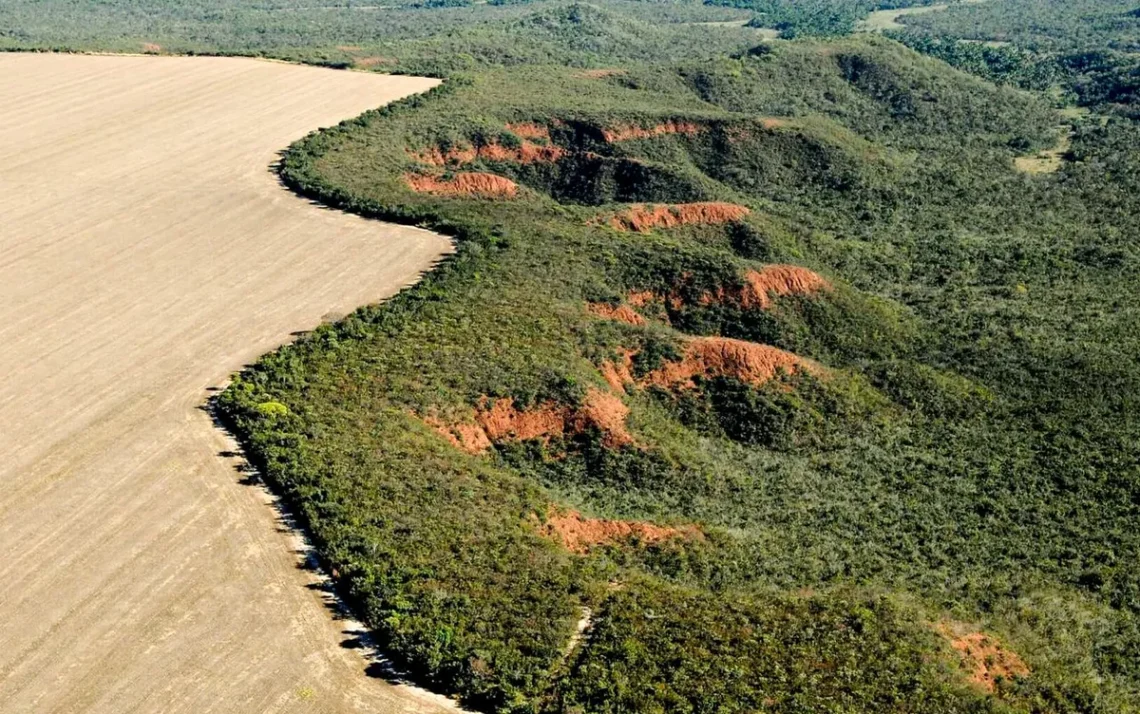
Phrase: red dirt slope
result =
(642, 218)
(501, 420)
(464, 184)
(579, 534)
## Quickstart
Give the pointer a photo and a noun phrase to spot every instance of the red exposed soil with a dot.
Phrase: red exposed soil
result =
(629, 132)
(151, 48)
(501, 420)
(464, 184)
(643, 218)
(638, 298)
(773, 122)
(579, 534)
(530, 130)
(723, 357)
(606, 412)
(772, 280)
(621, 313)
(620, 373)
(984, 656)
(526, 153)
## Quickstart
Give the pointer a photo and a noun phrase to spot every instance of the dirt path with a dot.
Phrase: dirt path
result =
(146, 251)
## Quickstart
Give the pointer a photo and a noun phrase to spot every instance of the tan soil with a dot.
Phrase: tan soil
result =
(629, 132)
(985, 657)
(643, 218)
(151, 48)
(749, 362)
(147, 252)
(578, 534)
(476, 184)
(501, 420)
(621, 313)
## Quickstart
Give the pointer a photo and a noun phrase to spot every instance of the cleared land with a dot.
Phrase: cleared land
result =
(146, 251)
(882, 20)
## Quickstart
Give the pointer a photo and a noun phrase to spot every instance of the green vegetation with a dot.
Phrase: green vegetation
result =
(960, 453)
(972, 457)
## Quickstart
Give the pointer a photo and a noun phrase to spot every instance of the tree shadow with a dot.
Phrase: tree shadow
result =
(377, 663)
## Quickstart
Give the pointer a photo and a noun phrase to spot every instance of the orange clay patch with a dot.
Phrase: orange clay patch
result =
(526, 153)
(642, 218)
(464, 184)
(723, 357)
(773, 122)
(501, 420)
(639, 298)
(619, 373)
(629, 132)
(772, 280)
(151, 48)
(621, 313)
(984, 656)
(579, 534)
(530, 130)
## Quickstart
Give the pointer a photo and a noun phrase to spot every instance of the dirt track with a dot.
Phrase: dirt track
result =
(146, 252)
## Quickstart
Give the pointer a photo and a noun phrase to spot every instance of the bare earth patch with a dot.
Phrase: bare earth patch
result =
(146, 252)
(629, 132)
(760, 286)
(502, 420)
(646, 217)
(621, 313)
(749, 362)
(1048, 161)
(579, 534)
(986, 659)
(481, 185)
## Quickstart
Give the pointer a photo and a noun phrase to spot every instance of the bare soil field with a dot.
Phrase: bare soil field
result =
(146, 252)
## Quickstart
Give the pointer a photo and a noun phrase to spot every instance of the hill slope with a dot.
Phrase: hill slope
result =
(774, 366)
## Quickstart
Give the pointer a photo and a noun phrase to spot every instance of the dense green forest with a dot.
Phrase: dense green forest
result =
(798, 373)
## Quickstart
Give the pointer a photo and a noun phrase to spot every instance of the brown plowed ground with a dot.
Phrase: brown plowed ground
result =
(146, 252)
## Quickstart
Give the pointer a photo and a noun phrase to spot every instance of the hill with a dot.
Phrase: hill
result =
(772, 371)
